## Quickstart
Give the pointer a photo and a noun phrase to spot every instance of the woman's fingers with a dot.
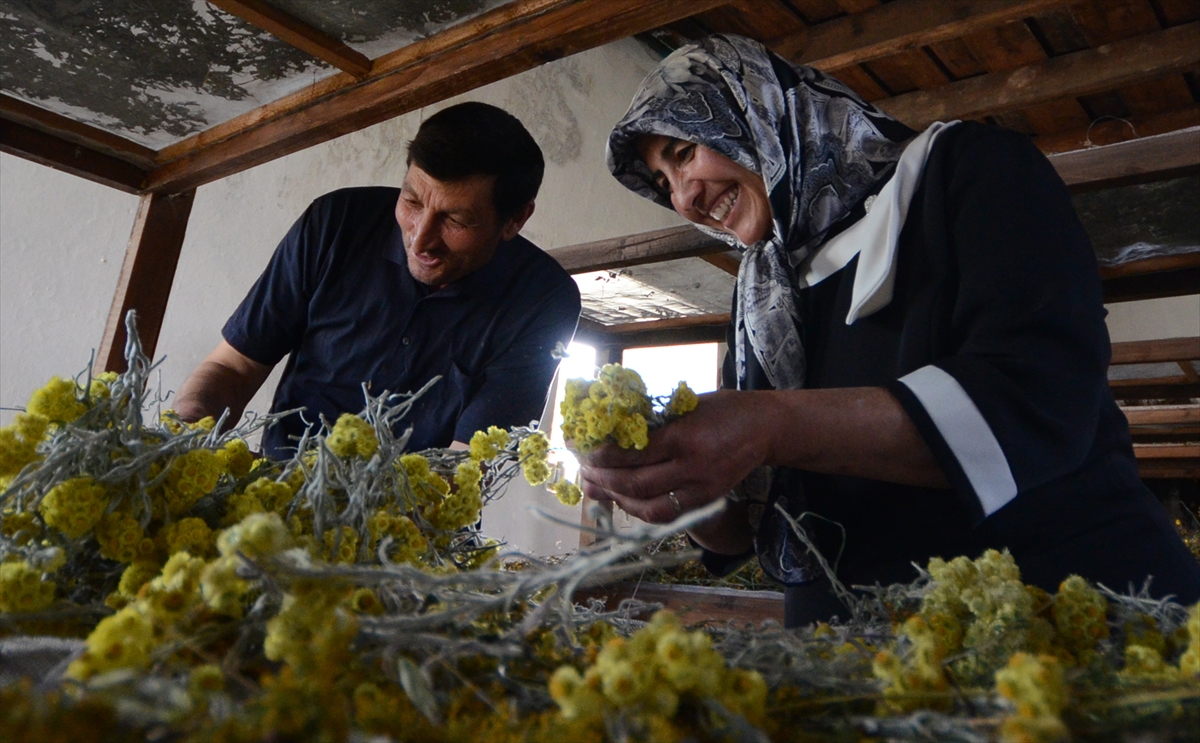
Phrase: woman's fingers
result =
(613, 456)
(658, 510)
(636, 483)
(698, 458)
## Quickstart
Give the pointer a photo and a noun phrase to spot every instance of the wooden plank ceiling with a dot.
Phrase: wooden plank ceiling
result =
(1068, 74)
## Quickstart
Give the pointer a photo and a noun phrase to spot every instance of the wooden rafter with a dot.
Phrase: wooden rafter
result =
(1156, 351)
(551, 31)
(765, 20)
(1089, 71)
(724, 261)
(91, 137)
(509, 15)
(645, 247)
(897, 26)
(1112, 131)
(299, 34)
(1154, 157)
(646, 333)
(58, 152)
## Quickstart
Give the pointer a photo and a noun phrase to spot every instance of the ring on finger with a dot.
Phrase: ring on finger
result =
(675, 502)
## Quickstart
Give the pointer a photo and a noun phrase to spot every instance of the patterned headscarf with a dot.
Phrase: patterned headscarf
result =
(820, 149)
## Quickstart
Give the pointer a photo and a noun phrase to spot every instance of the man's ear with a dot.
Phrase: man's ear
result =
(518, 220)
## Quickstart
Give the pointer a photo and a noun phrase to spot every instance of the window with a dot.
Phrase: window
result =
(662, 368)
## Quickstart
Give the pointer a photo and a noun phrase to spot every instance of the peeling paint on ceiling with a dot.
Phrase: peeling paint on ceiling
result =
(157, 71)
(678, 288)
(375, 27)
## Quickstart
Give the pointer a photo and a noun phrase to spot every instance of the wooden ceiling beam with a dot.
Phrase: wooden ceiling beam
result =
(1149, 158)
(634, 250)
(555, 30)
(671, 331)
(75, 132)
(1080, 73)
(724, 261)
(297, 33)
(1156, 351)
(59, 153)
(454, 38)
(900, 25)
(1112, 131)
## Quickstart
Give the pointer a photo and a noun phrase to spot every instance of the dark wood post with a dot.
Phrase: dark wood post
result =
(146, 274)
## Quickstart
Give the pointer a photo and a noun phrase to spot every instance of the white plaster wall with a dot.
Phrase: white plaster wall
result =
(62, 240)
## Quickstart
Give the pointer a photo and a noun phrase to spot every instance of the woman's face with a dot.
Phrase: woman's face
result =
(708, 188)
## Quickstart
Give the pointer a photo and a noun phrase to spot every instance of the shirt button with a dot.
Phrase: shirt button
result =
(404, 340)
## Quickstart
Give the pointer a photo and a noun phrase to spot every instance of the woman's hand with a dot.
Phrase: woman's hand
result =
(687, 464)
(861, 432)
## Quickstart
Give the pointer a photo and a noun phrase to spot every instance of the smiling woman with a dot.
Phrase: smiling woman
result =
(708, 188)
(918, 351)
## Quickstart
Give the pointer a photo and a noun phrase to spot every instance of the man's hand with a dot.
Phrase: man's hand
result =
(226, 379)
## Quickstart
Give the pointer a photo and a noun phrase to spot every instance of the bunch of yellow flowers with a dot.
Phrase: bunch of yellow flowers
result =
(613, 409)
(651, 675)
(616, 409)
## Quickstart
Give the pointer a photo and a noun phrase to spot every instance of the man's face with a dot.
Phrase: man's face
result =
(450, 228)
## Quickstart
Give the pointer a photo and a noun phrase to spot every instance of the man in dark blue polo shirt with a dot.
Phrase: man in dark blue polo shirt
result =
(393, 287)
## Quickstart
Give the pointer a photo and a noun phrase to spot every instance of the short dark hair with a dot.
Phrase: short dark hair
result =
(478, 139)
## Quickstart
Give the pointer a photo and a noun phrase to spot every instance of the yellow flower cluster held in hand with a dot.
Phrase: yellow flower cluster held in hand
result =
(613, 409)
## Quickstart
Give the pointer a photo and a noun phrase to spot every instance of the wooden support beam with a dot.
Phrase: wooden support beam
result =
(146, 275)
(1162, 415)
(1080, 73)
(60, 154)
(633, 250)
(1149, 158)
(292, 30)
(1156, 351)
(897, 26)
(672, 331)
(1152, 278)
(724, 261)
(588, 519)
(696, 604)
(1113, 131)
(765, 20)
(76, 133)
(458, 62)
(1157, 461)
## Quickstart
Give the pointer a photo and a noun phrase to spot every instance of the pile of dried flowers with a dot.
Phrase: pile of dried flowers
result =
(194, 592)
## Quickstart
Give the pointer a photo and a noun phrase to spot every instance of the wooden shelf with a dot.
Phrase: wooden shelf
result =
(696, 604)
